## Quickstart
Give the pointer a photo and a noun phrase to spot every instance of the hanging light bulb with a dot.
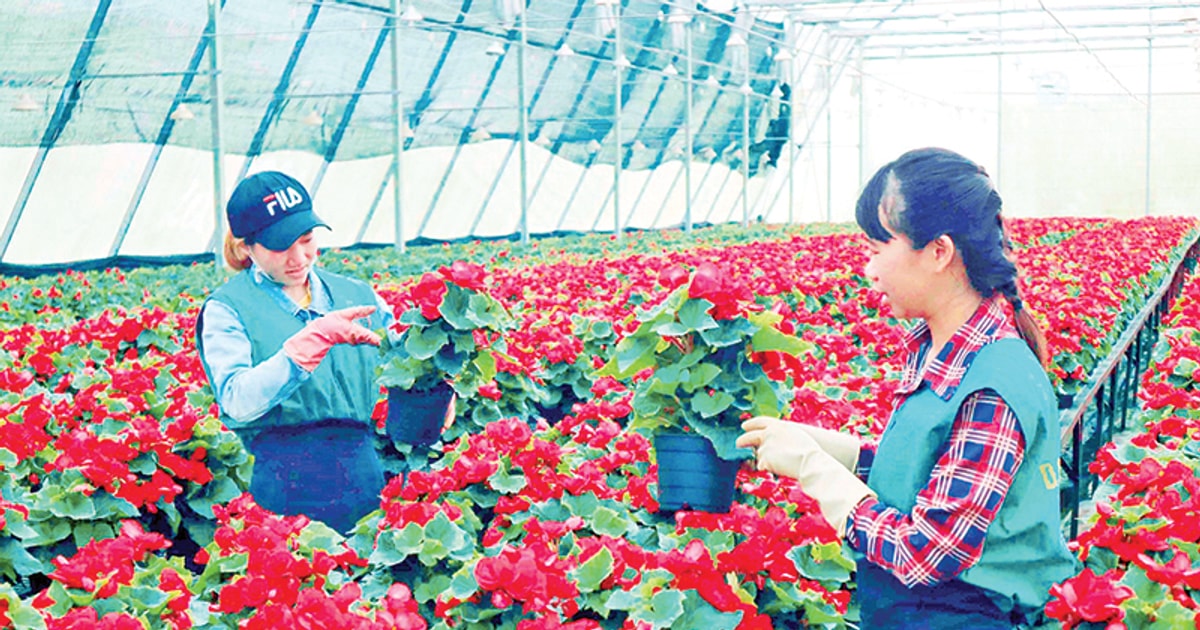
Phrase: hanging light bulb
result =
(411, 15)
(313, 119)
(746, 89)
(495, 49)
(182, 113)
(25, 103)
(621, 61)
(712, 81)
(593, 146)
(565, 51)
(670, 69)
(480, 135)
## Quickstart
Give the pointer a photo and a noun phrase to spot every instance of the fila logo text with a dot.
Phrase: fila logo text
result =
(282, 199)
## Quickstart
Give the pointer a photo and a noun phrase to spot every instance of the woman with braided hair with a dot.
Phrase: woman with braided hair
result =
(954, 512)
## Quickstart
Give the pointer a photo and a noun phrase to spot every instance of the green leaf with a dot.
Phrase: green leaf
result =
(822, 562)
(145, 596)
(589, 575)
(700, 376)
(771, 339)
(219, 490)
(711, 404)
(670, 329)
(423, 343)
(505, 483)
(454, 307)
(608, 522)
(73, 505)
(633, 355)
(698, 613)
(665, 607)
(441, 538)
(694, 315)
(14, 554)
(85, 532)
(429, 588)
(393, 546)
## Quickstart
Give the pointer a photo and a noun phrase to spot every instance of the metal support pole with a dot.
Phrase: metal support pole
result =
(397, 133)
(689, 147)
(999, 100)
(829, 135)
(218, 148)
(524, 126)
(746, 142)
(862, 119)
(793, 100)
(618, 55)
(1149, 112)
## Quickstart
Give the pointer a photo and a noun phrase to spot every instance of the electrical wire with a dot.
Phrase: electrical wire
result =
(1089, 51)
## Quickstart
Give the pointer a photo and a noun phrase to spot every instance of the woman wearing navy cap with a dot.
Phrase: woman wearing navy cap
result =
(957, 524)
(288, 349)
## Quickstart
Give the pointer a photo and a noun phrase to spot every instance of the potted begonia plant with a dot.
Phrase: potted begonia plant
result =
(692, 360)
(444, 342)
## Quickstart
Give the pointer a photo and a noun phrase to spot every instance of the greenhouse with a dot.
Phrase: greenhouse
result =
(599, 314)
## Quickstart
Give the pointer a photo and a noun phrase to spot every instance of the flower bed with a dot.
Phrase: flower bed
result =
(108, 433)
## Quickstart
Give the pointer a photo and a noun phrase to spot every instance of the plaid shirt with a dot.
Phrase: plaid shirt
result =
(944, 535)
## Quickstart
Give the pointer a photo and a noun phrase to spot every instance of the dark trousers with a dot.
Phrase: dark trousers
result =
(954, 605)
(328, 471)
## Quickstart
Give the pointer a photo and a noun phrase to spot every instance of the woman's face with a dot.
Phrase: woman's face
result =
(894, 269)
(289, 267)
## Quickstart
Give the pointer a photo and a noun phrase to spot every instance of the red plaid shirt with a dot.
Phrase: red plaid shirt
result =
(943, 536)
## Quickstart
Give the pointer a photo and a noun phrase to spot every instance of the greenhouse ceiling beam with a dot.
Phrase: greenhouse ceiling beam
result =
(339, 133)
(275, 107)
(164, 134)
(1082, 31)
(71, 94)
(810, 14)
(950, 51)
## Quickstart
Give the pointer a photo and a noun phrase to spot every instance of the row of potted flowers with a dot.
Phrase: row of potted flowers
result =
(1142, 542)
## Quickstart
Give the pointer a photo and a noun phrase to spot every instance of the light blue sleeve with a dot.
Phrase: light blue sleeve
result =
(385, 309)
(244, 391)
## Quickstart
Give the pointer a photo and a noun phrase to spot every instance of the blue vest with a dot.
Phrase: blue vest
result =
(314, 453)
(343, 385)
(1024, 551)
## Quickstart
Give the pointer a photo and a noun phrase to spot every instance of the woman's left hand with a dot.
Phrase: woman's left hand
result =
(780, 446)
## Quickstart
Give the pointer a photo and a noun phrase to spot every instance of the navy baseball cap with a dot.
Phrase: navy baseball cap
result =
(271, 209)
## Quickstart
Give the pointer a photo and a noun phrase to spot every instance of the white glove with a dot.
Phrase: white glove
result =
(841, 446)
(309, 346)
(785, 448)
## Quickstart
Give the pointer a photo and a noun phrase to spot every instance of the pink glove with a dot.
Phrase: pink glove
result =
(309, 346)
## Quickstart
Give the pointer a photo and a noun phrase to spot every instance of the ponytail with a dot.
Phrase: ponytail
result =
(1027, 326)
(236, 252)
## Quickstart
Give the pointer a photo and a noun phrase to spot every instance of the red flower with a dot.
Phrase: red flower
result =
(428, 294)
(1088, 597)
(466, 275)
(490, 391)
(673, 277)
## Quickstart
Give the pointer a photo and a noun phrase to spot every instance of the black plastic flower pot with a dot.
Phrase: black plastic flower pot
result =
(691, 476)
(416, 417)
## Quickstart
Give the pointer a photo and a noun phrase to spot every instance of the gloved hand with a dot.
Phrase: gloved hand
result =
(841, 446)
(309, 346)
(785, 448)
